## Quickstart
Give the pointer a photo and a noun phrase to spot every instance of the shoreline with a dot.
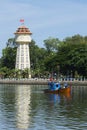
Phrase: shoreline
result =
(38, 82)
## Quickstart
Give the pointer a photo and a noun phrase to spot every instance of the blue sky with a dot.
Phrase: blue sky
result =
(44, 18)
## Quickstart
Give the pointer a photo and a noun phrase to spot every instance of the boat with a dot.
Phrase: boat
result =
(60, 91)
(55, 88)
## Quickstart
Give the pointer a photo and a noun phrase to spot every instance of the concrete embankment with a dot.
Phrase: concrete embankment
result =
(23, 81)
(38, 82)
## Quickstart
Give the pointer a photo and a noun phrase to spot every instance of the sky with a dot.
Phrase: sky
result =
(45, 18)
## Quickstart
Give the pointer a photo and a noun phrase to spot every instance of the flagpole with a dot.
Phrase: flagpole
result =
(22, 21)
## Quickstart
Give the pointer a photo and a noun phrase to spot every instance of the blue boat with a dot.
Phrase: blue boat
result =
(56, 88)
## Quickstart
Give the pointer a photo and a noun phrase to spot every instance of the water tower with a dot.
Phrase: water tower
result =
(23, 39)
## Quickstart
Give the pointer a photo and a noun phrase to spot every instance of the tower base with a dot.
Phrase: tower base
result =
(29, 76)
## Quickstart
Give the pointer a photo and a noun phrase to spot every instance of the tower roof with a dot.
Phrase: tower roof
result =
(23, 30)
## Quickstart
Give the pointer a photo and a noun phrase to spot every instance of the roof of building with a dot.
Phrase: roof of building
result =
(23, 30)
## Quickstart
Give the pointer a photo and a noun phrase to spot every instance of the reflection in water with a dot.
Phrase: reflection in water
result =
(54, 97)
(23, 106)
(27, 107)
(57, 97)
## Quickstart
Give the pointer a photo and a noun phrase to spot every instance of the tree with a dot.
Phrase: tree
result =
(11, 43)
(8, 58)
(51, 44)
(67, 57)
(76, 39)
(37, 57)
(5, 72)
(73, 57)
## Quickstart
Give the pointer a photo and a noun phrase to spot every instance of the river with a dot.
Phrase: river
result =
(26, 107)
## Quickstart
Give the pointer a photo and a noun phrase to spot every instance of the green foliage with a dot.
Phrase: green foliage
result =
(37, 56)
(51, 44)
(8, 58)
(11, 43)
(67, 57)
(73, 56)
(5, 72)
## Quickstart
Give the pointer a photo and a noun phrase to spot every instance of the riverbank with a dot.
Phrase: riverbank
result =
(24, 81)
(38, 81)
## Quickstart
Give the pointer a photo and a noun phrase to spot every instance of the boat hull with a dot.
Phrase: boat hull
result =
(60, 91)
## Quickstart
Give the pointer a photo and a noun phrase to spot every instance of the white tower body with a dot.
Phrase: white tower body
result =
(23, 38)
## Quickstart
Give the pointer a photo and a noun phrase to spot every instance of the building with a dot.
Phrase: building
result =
(23, 39)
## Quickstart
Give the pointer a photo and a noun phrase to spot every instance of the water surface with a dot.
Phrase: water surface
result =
(26, 107)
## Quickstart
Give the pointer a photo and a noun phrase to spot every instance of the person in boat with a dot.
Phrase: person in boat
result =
(52, 84)
(58, 86)
(65, 85)
(51, 79)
